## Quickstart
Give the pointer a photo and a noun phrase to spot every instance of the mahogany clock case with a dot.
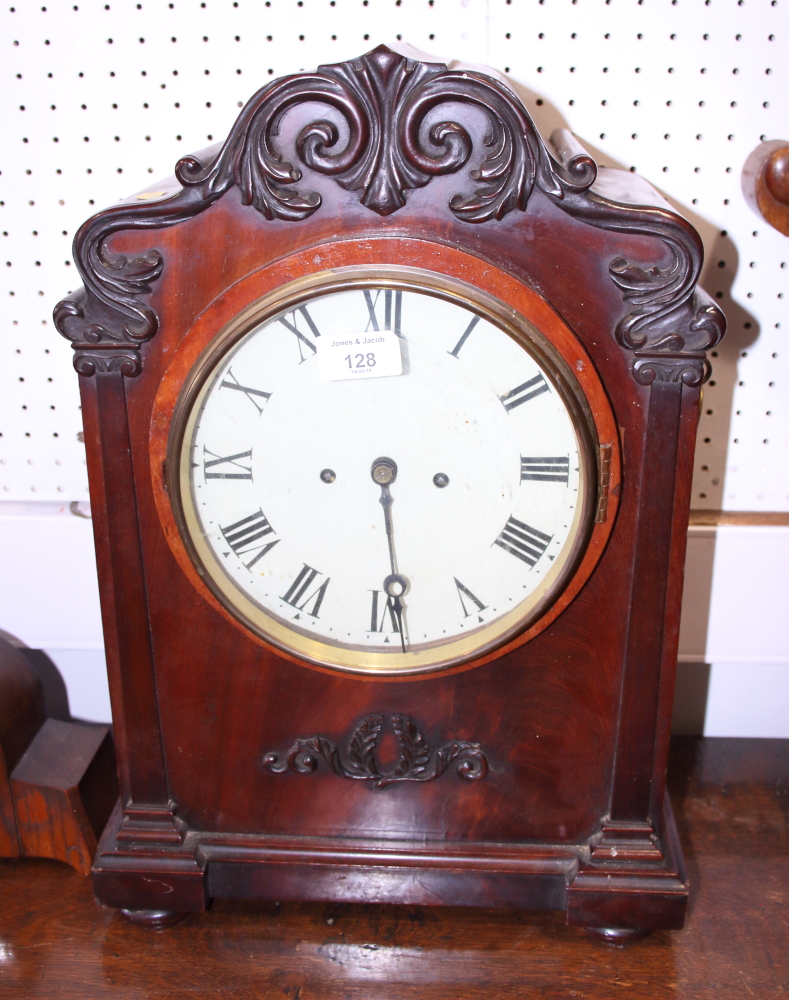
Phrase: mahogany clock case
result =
(533, 776)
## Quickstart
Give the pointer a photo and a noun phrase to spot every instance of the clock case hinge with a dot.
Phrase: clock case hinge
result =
(604, 482)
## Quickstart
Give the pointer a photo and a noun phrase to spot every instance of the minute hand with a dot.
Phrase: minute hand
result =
(384, 472)
(386, 501)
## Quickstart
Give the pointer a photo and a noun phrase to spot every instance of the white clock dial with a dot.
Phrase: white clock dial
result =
(384, 522)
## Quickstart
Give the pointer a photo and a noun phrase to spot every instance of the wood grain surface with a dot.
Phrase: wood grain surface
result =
(731, 798)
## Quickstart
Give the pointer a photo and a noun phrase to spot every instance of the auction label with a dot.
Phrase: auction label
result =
(368, 355)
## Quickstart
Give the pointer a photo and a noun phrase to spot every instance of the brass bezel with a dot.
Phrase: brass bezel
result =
(461, 649)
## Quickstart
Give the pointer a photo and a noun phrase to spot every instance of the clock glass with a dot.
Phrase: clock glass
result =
(383, 475)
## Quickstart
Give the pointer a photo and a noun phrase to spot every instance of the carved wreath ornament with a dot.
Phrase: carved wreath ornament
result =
(416, 761)
(389, 127)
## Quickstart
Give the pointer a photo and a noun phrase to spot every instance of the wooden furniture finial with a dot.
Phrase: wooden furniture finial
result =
(765, 183)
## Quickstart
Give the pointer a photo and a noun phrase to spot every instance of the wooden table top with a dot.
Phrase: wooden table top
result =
(731, 799)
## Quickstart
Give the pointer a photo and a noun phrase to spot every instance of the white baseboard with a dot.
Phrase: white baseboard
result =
(732, 699)
(734, 616)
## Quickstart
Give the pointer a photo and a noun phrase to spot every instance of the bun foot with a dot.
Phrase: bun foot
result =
(155, 919)
(616, 936)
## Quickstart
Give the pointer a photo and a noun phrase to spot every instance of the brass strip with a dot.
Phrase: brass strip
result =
(711, 518)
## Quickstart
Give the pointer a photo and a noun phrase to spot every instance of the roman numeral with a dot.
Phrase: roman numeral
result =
(376, 623)
(391, 315)
(298, 589)
(292, 325)
(244, 536)
(546, 470)
(523, 541)
(463, 590)
(523, 393)
(464, 337)
(234, 470)
(248, 392)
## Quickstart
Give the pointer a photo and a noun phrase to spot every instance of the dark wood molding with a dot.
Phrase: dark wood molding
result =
(151, 823)
(625, 892)
(672, 609)
(149, 812)
(626, 840)
(632, 778)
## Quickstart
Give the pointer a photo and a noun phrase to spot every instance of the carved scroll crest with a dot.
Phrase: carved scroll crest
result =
(359, 762)
(392, 139)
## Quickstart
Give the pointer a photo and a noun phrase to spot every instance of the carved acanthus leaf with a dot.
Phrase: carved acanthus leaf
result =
(415, 762)
(669, 315)
(386, 147)
(109, 313)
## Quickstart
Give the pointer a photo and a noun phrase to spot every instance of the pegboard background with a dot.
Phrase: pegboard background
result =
(101, 99)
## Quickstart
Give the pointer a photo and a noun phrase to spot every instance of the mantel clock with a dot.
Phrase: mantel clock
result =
(390, 445)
